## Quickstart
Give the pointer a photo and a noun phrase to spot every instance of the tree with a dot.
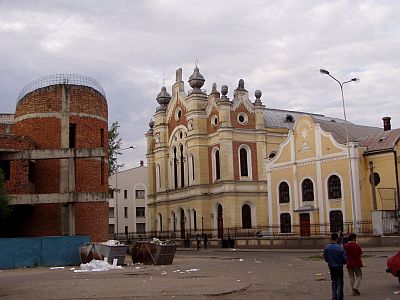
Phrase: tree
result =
(5, 209)
(114, 147)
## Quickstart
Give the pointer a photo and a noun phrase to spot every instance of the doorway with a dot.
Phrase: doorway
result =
(305, 225)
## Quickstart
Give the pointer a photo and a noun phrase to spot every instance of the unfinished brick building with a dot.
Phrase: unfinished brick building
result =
(53, 154)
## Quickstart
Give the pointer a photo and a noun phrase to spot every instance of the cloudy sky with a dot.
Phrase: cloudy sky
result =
(130, 47)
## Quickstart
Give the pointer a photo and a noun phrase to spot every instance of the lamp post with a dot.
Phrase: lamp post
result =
(355, 217)
(116, 185)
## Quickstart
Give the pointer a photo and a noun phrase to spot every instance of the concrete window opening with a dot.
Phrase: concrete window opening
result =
(72, 135)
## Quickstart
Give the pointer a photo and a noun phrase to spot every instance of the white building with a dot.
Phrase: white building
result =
(128, 201)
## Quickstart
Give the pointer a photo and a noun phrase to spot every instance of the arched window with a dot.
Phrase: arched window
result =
(244, 170)
(246, 216)
(192, 161)
(175, 166)
(286, 224)
(284, 192)
(194, 220)
(173, 217)
(158, 176)
(334, 187)
(160, 222)
(183, 218)
(307, 189)
(217, 166)
(182, 166)
(336, 220)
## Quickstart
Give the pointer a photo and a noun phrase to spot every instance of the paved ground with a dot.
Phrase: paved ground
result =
(212, 274)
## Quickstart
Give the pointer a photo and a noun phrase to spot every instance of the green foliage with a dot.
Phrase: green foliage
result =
(5, 209)
(114, 147)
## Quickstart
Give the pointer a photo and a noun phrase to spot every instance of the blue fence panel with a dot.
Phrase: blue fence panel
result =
(40, 251)
(6, 253)
(62, 251)
(72, 256)
(27, 252)
(53, 251)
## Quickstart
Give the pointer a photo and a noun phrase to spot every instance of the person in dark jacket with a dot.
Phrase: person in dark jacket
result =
(335, 256)
(205, 240)
(198, 241)
(354, 263)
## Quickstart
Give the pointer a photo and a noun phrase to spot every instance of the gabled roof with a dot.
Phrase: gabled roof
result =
(357, 133)
(280, 118)
(385, 140)
(366, 136)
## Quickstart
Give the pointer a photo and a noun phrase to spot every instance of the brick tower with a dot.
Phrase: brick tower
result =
(64, 119)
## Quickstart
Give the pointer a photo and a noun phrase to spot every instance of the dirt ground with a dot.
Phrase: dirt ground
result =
(205, 274)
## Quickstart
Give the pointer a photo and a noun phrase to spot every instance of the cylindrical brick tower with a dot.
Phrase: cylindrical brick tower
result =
(66, 115)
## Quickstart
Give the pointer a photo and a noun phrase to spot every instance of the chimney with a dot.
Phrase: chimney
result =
(386, 123)
(141, 163)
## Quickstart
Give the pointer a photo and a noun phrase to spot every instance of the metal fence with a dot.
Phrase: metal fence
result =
(361, 227)
(73, 79)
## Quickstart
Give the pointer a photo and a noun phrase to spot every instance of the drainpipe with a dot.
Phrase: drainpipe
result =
(397, 178)
(372, 177)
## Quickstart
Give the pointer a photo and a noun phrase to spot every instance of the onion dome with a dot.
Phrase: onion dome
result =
(196, 81)
(163, 98)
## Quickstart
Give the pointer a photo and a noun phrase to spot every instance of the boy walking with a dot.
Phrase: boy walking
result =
(335, 257)
(354, 263)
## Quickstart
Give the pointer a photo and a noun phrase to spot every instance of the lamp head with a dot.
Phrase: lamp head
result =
(323, 71)
(355, 79)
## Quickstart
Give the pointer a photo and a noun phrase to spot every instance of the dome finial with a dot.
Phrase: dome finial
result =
(163, 98)
(196, 80)
(258, 95)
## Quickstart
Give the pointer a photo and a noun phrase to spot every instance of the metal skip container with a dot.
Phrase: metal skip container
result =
(108, 250)
(150, 253)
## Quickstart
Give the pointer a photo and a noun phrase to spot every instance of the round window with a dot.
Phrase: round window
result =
(178, 114)
(242, 118)
(214, 121)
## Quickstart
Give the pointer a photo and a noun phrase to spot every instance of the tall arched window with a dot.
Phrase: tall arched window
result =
(307, 189)
(192, 161)
(217, 166)
(173, 217)
(194, 220)
(246, 216)
(286, 224)
(182, 166)
(158, 176)
(244, 170)
(284, 192)
(175, 166)
(334, 187)
(160, 222)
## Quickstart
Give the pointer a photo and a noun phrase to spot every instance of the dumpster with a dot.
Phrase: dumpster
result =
(112, 252)
(150, 253)
(99, 251)
(88, 252)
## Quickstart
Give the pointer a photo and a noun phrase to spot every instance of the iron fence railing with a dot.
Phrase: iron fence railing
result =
(296, 230)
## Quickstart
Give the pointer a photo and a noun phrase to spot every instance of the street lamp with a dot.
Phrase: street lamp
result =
(323, 71)
(116, 185)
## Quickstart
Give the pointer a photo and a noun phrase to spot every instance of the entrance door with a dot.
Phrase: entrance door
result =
(305, 224)
(220, 221)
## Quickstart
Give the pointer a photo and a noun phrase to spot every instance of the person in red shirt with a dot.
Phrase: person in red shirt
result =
(354, 263)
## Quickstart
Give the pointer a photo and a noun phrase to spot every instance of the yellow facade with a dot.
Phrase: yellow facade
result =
(217, 164)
